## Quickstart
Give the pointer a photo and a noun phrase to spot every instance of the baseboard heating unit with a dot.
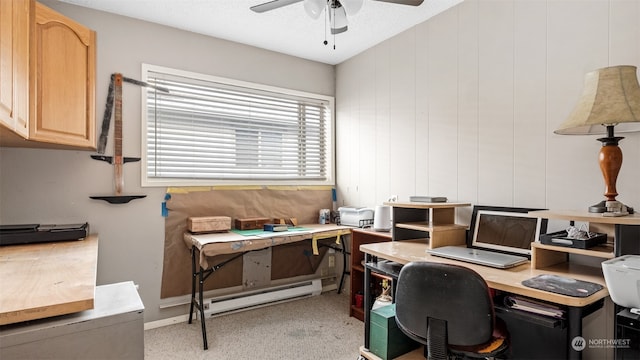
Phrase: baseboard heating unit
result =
(254, 299)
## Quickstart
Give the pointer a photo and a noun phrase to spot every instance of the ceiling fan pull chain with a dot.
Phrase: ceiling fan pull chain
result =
(326, 13)
(333, 19)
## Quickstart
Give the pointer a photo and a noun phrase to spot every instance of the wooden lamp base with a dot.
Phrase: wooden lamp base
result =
(610, 159)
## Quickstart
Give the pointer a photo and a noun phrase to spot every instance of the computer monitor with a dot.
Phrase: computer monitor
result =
(510, 230)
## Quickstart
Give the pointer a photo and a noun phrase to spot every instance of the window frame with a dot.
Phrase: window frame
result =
(147, 181)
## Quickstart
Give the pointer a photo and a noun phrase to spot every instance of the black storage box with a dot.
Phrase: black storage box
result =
(36, 233)
(560, 238)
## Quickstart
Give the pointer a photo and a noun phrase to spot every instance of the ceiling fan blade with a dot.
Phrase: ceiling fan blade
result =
(272, 5)
(314, 7)
(351, 6)
(404, 2)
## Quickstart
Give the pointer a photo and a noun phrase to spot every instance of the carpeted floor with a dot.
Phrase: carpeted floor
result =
(318, 327)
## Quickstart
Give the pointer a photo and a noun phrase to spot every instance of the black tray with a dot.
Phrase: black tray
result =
(36, 233)
(563, 285)
(560, 238)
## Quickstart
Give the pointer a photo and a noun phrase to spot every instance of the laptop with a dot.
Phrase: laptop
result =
(480, 257)
(500, 238)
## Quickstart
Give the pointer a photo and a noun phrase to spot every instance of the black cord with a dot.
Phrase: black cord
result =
(325, 24)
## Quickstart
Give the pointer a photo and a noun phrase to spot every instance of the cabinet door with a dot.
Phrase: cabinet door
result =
(14, 65)
(63, 79)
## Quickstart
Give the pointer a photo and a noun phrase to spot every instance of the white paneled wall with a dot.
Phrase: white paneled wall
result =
(465, 104)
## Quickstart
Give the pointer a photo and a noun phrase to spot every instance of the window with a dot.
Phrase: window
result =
(208, 130)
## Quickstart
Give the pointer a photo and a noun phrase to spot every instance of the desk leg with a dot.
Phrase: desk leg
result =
(201, 307)
(344, 264)
(193, 282)
(197, 303)
(575, 329)
(367, 300)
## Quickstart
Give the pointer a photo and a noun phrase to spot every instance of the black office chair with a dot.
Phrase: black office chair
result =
(449, 309)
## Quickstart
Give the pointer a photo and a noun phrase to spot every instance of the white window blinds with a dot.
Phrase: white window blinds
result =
(208, 130)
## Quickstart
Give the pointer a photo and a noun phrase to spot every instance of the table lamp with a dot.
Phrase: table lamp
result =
(611, 98)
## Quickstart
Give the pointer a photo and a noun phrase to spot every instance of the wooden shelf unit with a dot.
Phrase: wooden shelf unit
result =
(433, 221)
(633, 219)
(546, 256)
(543, 256)
(359, 237)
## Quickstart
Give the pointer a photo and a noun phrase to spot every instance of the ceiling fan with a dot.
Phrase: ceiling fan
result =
(336, 9)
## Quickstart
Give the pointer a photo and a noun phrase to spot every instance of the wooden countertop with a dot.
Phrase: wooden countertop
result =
(632, 219)
(47, 279)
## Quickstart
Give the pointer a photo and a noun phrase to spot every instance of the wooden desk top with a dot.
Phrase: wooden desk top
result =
(229, 242)
(509, 280)
(426, 205)
(47, 279)
(632, 219)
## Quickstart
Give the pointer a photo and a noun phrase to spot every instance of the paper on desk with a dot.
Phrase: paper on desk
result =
(266, 234)
(203, 239)
(516, 302)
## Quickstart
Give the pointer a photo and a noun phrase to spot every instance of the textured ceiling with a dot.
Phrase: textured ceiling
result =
(288, 30)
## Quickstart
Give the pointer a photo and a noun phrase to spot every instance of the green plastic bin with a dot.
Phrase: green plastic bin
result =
(385, 339)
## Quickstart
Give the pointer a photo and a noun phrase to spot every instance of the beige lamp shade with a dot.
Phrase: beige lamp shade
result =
(611, 96)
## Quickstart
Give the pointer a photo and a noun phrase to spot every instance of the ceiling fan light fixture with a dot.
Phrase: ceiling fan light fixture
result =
(352, 6)
(338, 18)
(314, 8)
(335, 31)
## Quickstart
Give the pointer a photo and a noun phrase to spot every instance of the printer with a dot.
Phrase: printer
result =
(622, 275)
(356, 216)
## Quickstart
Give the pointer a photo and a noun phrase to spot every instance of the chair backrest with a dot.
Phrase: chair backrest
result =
(451, 293)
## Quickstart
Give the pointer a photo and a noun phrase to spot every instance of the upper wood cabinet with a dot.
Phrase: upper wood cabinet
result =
(14, 65)
(63, 81)
(59, 78)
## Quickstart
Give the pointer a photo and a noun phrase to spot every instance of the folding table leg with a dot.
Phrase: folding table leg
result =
(193, 282)
(344, 265)
(201, 307)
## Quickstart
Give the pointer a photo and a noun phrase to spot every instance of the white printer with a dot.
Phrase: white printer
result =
(356, 216)
(622, 275)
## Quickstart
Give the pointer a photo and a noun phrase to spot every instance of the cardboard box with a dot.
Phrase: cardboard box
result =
(206, 224)
(387, 341)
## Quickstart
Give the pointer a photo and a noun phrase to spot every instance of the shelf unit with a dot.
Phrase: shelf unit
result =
(359, 237)
(543, 256)
(575, 215)
(432, 221)
(625, 231)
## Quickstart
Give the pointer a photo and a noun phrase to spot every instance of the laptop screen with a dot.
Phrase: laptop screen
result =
(511, 232)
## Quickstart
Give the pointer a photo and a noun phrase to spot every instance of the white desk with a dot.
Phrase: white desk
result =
(112, 329)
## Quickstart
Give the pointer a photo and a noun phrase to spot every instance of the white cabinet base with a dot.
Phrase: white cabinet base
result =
(113, 329)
